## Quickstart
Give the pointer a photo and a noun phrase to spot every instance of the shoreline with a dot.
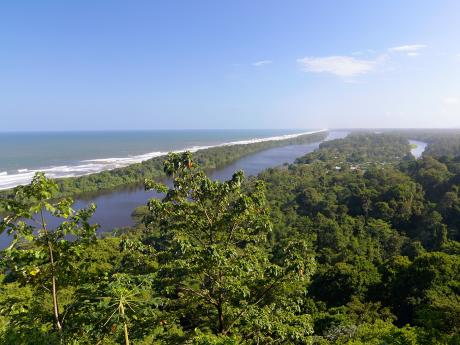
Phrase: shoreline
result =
(209, 159)
(94, 166)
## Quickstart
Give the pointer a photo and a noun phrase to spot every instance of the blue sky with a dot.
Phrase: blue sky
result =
(229, 64)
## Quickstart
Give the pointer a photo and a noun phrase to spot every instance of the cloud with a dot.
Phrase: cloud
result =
(262, 63)
(451, 100)
(342, 66)
(356, 64)
(408, 48)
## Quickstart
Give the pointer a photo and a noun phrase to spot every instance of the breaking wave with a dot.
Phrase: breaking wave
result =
(90, 166)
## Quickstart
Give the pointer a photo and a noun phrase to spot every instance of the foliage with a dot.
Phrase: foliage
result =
(356, 243)
(38, 255)
(214, 265)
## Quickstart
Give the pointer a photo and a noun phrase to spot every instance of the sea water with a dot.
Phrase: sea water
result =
(67, 154)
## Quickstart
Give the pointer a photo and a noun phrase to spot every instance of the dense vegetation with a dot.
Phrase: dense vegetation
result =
(386, 241)
(356, 243)
(360, 150)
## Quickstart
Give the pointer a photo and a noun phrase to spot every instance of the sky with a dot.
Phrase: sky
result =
(108, 64)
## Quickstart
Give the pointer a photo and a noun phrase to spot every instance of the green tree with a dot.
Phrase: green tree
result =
(215, 266)
(337, 284)
(39, 255)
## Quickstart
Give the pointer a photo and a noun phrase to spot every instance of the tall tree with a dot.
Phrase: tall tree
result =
(214, 263)
(39, 254)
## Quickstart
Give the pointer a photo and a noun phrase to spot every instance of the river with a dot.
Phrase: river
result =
(419, 148)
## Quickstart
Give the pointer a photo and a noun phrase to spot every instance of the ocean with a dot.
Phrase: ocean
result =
(67, 154)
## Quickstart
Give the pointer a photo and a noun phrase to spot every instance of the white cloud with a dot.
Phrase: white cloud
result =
(356, 63)
(411, 50)
(451, 100)
(408, 48)
(343, 66)
(262, 63)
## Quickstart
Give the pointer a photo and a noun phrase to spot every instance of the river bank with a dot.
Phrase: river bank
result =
(114, 207)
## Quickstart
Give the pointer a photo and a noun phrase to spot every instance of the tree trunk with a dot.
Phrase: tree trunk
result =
(221, 317)
(53, 278)
(54, 290)
(125, 325)
(126, 334)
